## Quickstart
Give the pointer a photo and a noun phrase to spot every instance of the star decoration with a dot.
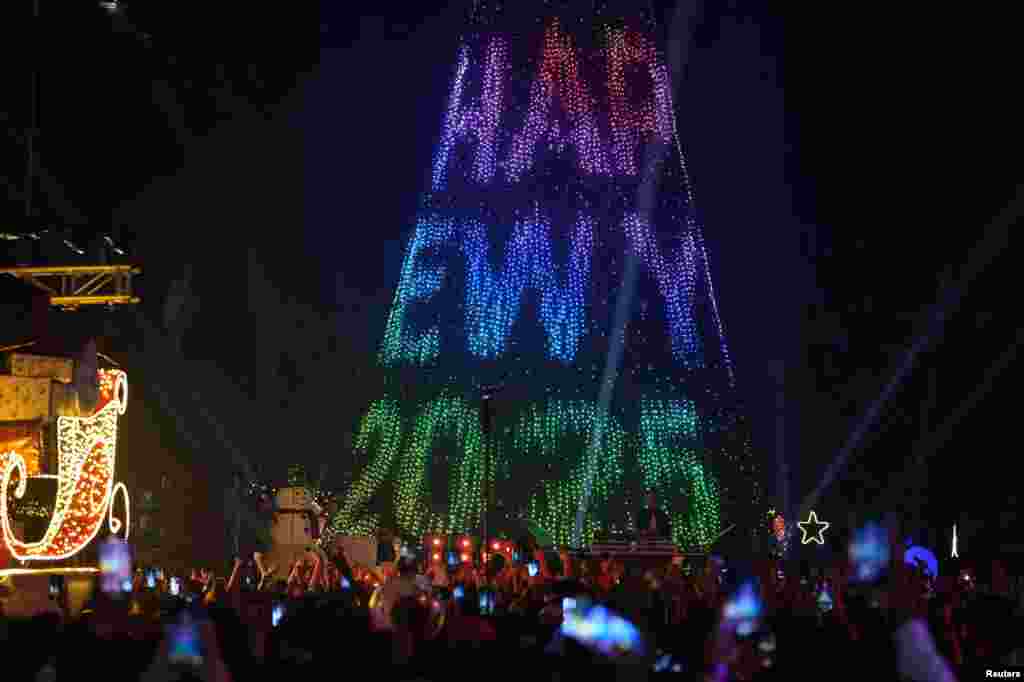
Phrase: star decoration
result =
(818, 535)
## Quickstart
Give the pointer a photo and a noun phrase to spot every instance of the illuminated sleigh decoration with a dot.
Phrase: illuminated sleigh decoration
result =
(86, 450)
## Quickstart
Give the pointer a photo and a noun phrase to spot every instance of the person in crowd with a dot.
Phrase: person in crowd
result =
(329, 511)
(899, 629)
(249, 525)
(438, 573)
(261, 538)
(403, 584)
(234, 515)
(652, 522)
(410, 617)
(465, 623)
(386, 549)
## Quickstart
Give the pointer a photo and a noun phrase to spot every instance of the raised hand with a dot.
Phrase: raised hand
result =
(903, 592)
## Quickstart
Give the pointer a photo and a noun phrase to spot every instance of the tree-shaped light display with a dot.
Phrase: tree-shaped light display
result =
(513, 273)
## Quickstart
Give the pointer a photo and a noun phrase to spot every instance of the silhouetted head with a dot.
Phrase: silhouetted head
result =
(406, 566)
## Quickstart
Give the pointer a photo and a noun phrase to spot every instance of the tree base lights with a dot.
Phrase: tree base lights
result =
(86, 450)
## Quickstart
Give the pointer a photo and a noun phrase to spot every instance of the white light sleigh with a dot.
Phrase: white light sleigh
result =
(86, 492)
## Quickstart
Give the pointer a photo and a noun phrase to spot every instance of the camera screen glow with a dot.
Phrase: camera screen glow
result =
(184, 645)
(601, 629)
(116, 566)
(869, 552)
(924, 558)
(743, 609)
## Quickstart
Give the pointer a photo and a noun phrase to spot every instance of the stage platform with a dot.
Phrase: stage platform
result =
(649, 554)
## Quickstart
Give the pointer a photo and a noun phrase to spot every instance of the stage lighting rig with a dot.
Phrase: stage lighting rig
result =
(68, 287)
(73, 286)
(18, 236)
(109, 241)
(74, 247)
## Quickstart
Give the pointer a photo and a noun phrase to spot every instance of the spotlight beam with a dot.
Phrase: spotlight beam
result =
(645, 201)
(56, 198)
(940, 436)
(996, 237)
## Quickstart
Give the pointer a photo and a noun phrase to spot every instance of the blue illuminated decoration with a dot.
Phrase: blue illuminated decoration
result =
(417, 283)
(677, 278)
(494, 296)
(918, 555)
(493, 299)
(869, 552)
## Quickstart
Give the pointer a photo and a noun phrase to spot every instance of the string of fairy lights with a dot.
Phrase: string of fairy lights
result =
(499, 235)
(541, 434)
(559, 75)
(495, 297)
(666, 449)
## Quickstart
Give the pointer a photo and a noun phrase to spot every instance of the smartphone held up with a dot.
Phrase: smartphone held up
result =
(599, 629)
(185, 642)
(115, 567)
(869, 553)
(743, 610)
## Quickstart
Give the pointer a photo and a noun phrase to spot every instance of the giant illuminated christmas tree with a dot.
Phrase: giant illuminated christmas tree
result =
(557, 252)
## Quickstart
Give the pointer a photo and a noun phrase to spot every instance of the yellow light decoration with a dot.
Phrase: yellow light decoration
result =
(47, 571)
(26, 446)
(817, 534)
(86, 450)
(115, 524)
(375, 598)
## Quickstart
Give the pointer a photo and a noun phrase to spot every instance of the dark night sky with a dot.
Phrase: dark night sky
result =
(836, 157)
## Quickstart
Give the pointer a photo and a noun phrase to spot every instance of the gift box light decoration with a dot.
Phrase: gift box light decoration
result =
(513, 269)
(86, 451)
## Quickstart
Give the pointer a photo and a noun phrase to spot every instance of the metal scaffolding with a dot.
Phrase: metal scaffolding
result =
(73, 286)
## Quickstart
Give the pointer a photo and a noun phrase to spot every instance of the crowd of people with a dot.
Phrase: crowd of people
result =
(427, 620)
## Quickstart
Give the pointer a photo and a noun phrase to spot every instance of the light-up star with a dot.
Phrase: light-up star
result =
(817, 535)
